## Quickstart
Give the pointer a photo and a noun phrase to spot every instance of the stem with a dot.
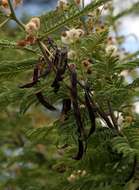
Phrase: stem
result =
(112, 116)
(4, 22)
(13, 16)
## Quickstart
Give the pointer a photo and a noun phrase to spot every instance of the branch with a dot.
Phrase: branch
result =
(14, 17)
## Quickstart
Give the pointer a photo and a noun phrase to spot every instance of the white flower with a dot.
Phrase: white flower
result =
(119, 117)
(71, 54)
(79, 172)
(71, 178)
(33, 25)
(72, 36)
(125, 73)
(120, 120)
(83, 173)
(111, 49)
(36, 20)
(62, 1)
(62, 4)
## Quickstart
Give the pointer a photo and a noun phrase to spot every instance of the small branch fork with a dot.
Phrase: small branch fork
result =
(13, 15)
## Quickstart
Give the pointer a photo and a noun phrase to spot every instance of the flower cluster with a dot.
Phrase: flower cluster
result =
(5, 4)
(62, 4)
(72, 54)
(112, 49)
(71, 36)
(76, 175)
(33, 26)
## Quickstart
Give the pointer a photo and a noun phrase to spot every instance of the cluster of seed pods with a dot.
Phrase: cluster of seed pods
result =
(59, 65)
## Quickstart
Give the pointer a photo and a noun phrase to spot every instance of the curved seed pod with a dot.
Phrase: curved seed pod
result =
(44, 102)
(28, 85)
(75, 101)
(51, 43)
(60, 63)
(56, 58)
(77, 112)
(35, 78)
(91, 115)
(66, 106)
(80, 151)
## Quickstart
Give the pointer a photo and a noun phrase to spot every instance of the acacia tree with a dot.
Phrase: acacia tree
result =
(67, 62)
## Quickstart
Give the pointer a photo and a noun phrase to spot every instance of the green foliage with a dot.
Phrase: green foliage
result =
(40, 144)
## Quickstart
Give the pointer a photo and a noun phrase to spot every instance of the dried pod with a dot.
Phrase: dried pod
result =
(66, 106)
(61, 62)
(80, 151)
(91, 114)
(35, 78)
(56, 58)
(77, 113)
(44, 102)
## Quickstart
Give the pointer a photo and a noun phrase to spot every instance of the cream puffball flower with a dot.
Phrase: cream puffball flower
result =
(33, 25)
(83, 173)
(112, 49)
(62, 4)
(71, 178)
(62, 1)
(36, 20)
(72, 36)
(120, 120)
(71, 54)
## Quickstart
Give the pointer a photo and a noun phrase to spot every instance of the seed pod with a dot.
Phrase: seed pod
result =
(91, 114)
(66, 106)
(80, 151)
(75, 101)
(56, 58)
(61, 63)
(44, 102)
(51, 42)
(77, 113)
(35, 78)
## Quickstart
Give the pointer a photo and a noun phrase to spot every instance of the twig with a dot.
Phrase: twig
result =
(14, 17)
(112, 116)
(4, 22)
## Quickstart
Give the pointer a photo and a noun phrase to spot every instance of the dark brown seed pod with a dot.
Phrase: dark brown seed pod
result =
(91, 115)
(35, 78)
(66, 106)
(80, 151)
(77, 112)
(28, 85)
(44, 102)
(61, 62)
(51, 42)
(55, 60)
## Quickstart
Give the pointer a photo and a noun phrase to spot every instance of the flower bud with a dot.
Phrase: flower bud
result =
(78, 2)
(4, 3)
(17, 2)
(36, 20)
(111, 49)
(83, 173)
(62, 4)
(71, 54)
(32, 26)
(71, 178)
